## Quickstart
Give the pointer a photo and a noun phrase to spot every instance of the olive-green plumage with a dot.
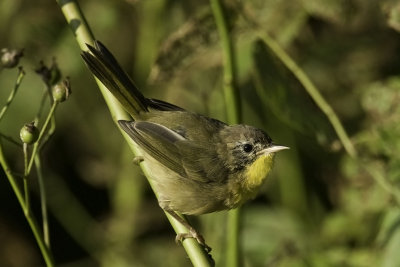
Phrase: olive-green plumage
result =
(197, 164)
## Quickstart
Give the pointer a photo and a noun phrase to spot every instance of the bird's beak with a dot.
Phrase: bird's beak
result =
(273, 148)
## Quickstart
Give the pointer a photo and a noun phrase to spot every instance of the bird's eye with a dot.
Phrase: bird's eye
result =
(247, 148)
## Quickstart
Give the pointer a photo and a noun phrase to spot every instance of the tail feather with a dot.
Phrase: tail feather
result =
(106, 68)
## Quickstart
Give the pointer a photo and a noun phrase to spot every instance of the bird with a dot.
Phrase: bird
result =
(196, 164)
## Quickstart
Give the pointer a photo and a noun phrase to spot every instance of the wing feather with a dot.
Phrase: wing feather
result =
(189, 159)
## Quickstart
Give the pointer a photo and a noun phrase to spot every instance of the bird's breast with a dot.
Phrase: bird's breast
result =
(250, 180)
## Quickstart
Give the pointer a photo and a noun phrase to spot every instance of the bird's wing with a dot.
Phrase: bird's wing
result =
(202, 163)
(156, 140)
(187, 158)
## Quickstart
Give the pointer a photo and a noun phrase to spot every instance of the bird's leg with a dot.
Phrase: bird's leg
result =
(138, 159)
(192, 232)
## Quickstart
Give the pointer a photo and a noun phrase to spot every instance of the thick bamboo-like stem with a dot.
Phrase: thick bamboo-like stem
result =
(83, 35)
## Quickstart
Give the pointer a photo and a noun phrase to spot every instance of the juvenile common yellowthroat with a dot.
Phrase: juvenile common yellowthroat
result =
(197, 164)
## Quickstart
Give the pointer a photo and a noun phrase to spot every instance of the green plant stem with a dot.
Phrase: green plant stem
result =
(52, 127)
(307, 84)
(31, 220)
(50, 132)
(233, 111)
(43, 202)
(232, 238)
(41, 134)
(382, 181)
(324, 106)
(41, 107)
(21, 74)
(26, 182)
(83, 35)
(193, 250)
(49, 93)
(77, 22)
(11, 177)
(42, 140)
(231, 93)
(312, 91)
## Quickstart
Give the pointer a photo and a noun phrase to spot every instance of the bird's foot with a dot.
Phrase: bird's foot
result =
(193, 234)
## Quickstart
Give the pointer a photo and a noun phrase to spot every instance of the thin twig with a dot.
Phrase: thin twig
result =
(381, 181)
(50, 132)
(312, 91)
(41, 134)
(41, 108)
(26, 182)
(43, 201)
(231, 93)
(47, 256)
(21, 74)
(324, 106)
(306, 82)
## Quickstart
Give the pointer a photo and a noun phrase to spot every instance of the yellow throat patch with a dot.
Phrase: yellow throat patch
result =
(252, 179)
(258, 171)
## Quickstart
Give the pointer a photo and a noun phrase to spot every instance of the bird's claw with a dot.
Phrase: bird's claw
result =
(193, 234)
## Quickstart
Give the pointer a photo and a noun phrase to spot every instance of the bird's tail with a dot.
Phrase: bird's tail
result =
(106, 68)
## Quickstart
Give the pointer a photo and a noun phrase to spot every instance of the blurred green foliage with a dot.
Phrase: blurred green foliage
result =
(320, 207)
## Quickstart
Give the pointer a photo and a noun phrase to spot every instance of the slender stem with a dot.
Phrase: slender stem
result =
(50, 132)
(43, 201)
(382, 181)
(232, 238)
(31, 220)
(323, 105)
(233, 111)
(11, 177)
(231, 93)
(49, 93)
(41, 107)
(26, 182)
(83, 35)
(52, 127)
(42, 139)
(312, 91)
(41, 134)
(21, 74)
(307, 84)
